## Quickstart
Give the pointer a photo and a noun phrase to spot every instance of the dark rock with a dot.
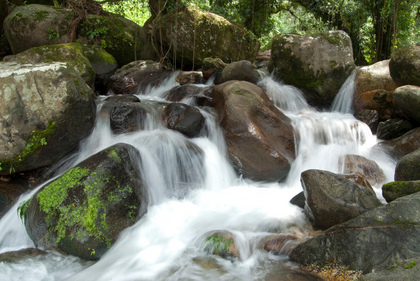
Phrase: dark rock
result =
(376, 240)
(183, 118)
(83, 211)
(134, 77)
(211, 66)
(332, 199)
(259, 137)
(127, 117)
(10, 191)
(370, 117)
(17, 256)
(379, 100)
(298, 200)
(408, 100)
(393, 128)
(403, 145)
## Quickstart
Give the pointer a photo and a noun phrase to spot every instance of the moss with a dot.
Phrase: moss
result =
(40, 15)
(85, 217)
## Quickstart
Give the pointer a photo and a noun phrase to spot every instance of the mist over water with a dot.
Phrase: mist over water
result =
(188, 199)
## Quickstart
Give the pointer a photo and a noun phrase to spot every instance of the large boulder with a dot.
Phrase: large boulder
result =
(407, 168)
(374, 241)
(408, 100)
(331, 199)
(405, 65)
(259, 137)
(83, 211)
(45, 111)
(135, 77)
(92, 62)
(318, 65)
(37, 25)
(374, 77)
(379, 100)
(199, 35)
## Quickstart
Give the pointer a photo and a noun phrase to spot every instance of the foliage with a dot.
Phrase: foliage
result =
(22, 209)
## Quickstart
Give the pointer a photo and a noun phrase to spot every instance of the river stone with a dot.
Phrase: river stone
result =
(92, 62)
(190, 77)
(127, 117)
(379, 100)
(135, 77)
(373, 241)
(404, 65)
(259, 137)
(221, 243)
(397, 189)
(45, 111)
(403, 145)
(332, 199)
(217, 37)
(83, 211)
(183, 118)
(351, 164)
(370, 117)
(240, 70)
(211, 66)
(408, 100)
(374, 77)
(318, 65)
(393, 128)
(407, 168)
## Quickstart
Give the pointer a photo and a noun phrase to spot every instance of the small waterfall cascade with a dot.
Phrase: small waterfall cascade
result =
(189, 198)
(343, 102)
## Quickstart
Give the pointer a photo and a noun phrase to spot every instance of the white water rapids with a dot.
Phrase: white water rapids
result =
(166, 244)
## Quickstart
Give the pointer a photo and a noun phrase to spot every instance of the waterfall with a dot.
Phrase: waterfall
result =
(189, 199)
(343, 102)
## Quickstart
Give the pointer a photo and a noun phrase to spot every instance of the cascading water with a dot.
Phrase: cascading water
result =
(189, 199)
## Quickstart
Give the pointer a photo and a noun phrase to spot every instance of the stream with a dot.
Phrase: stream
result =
(167, 243)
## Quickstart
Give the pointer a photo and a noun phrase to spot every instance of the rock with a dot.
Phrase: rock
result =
(20, 255)
(393, 128)
(370, 117)
(127, 117)
(211, 66)
(197, 95)
(94, 64)
(35, 25)
(403, 145)
(397, 189)
(407, 168)
(407, 99)
(374, 241)
(4, 44)
(259, 137)
(318, 65)
(192, 77)
(298, 200)
(221, 243)
(183, 118)
(332, 199)
(280, 244)
(404, 65)
(46, 110)
(10, 191)
(374, 77)
(133, 78)
(358, 164)
(217, 38)
(403, 270)
(83, 211)
(240, 70)
(263, 56)
(379, 100)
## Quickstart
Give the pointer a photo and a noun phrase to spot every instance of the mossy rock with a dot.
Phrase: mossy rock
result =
(46, 109)
(83, 211)
(317, 64)
(221, 243)
(404, 65)
(407, 168)
(397, 189)
(216, 37)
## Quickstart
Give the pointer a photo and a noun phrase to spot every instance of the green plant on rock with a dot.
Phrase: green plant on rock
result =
(218, 245)
(52, 34)
(23, 208)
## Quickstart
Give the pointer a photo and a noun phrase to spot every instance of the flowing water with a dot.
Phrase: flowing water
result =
(188, 199)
